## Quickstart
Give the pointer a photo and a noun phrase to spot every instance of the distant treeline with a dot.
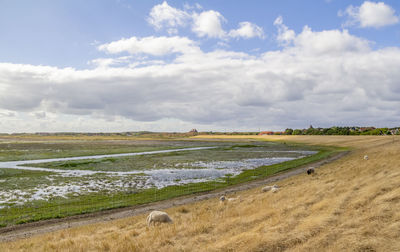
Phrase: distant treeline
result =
(318, 131)
(148, 134)
(342, 131)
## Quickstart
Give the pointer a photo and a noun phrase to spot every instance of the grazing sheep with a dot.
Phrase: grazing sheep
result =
(366, 157)
(266, 188)
(270, 188)
(158, 216)
(234, 199)
(275, 189)
(223, 199)
(310, 171)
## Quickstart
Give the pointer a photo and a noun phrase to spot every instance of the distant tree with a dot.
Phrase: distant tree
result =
(312, 131)
(377, 132)
(336, 130)
(297, 132)
(330, 131)
(343, 131)
(288, 131)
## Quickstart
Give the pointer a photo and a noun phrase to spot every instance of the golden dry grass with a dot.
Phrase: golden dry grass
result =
(349, 205)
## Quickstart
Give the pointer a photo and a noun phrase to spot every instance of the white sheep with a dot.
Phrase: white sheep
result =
(273, 188)
(366, 157)
(269, 188)
(223, 199)
(266, 188)
(158, 216)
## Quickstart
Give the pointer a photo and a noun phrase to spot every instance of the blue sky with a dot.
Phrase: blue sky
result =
(62, 33)
(122, 52)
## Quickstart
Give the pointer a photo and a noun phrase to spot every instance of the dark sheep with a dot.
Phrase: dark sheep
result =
(310, 171)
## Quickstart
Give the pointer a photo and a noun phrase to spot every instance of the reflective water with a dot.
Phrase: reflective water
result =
(193, 172)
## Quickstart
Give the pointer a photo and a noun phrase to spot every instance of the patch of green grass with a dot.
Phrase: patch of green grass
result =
(240, 146)
(15, 173)
(21, 179)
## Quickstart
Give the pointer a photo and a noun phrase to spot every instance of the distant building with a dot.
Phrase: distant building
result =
(363, 129)
(266, 133)
(193, 132)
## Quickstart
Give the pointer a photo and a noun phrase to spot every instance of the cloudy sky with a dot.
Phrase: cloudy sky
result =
(125, 65)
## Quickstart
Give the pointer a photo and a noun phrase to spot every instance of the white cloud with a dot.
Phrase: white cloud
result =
(5, 113)
(285, 35)
(324, 78)
(187, 6)
(329, 42)
(203, 23)
(370, 14)
(208, 24)
(109, 62)
(165, 16)
(155, 46)
(247, 30)
(39, 114)
(325, 42)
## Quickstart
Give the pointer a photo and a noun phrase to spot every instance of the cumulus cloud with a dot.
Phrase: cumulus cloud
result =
(109, 62)
(329, 42)
(156, 46)
(208, 23)
(285, 35)
(324, 42)
(370, 14)
(165, 16)
(247, 30)
(323, 77)
(203, 23)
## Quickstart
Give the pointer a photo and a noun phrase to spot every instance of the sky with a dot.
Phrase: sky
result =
(126, 65)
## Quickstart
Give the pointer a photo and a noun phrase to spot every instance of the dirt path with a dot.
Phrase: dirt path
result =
(46, 226)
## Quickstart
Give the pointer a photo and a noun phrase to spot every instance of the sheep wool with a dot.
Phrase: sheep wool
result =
(158, 216)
